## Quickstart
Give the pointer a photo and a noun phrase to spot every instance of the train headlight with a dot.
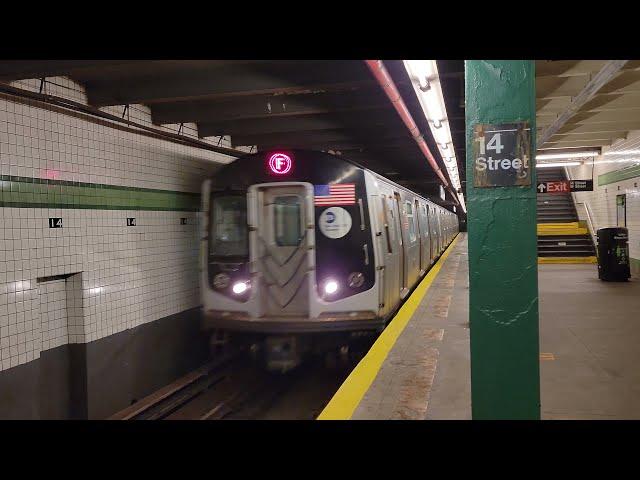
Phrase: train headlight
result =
(330, 287)
(221, 281)
(240, 287)
(356, 279)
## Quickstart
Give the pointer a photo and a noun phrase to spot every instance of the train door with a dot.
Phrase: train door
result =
(440, 235)
(430, 230)
(424, 233)
(386, 239)
(401, 242)
(281, 245)
(434, 232)
(416, 210)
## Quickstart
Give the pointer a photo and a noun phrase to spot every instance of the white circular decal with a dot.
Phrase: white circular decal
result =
(335, 222)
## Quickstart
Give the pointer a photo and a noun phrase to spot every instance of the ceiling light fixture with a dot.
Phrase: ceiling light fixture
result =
(552, 156)
(426, 83)
(620, 160)
(557, 164)
(622, 152)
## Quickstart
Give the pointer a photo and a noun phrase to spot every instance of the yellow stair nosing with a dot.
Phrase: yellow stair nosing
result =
(567, 260)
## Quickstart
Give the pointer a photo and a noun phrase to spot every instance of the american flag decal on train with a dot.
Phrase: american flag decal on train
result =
(338, 194)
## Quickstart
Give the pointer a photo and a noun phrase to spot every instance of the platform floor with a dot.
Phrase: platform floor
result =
(589, 349)
(426, 374)
(589, 344)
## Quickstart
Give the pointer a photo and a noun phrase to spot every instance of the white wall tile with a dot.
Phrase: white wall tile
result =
(602, 201)
(125, 276)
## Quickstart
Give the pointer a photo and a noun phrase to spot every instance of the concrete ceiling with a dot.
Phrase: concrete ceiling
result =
(319, 104)
(611, 109)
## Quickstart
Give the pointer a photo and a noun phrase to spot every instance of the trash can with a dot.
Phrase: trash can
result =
(613, 254)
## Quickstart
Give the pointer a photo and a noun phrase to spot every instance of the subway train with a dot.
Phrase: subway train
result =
(306, 251)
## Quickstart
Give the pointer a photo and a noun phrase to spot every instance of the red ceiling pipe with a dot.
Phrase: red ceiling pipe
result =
(386, 82)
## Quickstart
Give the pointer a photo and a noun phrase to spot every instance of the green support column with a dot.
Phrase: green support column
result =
(503, 268)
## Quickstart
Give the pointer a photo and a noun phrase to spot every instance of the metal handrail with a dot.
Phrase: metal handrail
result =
(590, 222)
(592, 231)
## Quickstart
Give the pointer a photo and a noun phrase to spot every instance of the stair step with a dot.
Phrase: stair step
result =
(555, 219)
(566, 253)
(555, 244)
(565, 238)
(557, 213)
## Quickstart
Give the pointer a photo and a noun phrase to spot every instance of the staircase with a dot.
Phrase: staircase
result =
(561, 237)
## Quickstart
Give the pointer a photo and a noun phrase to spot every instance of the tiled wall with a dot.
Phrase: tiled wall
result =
(94, 177)
(620, 157)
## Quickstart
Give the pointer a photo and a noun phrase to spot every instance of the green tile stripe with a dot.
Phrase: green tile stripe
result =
(25, 192)
(619, 175)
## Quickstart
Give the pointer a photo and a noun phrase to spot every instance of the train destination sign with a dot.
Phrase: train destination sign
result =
(502, 155)
(565, 186)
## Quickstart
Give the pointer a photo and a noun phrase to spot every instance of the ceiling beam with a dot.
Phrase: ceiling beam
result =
(577, 143)
(566, 68)
(586, 134)
(601, 127)
(555, 87)
(584, 117)
(605, 75)
(267, 106)
(327, 121)
(22, 69)
(283, 139)
(228, 81)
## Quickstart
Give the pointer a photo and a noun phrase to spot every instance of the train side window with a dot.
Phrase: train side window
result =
(410, 220)
(423, 219)
(386, 223)
(286, 221)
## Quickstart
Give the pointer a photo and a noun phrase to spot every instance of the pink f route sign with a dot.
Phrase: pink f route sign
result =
(279, 163)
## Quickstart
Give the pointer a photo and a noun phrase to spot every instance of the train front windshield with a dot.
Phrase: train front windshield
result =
(229, 227)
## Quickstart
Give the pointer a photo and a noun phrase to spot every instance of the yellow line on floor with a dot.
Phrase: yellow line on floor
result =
(348, 397)
(543, 260)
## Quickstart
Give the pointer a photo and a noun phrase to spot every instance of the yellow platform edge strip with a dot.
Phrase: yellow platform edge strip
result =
(349, 395)
(543, 260)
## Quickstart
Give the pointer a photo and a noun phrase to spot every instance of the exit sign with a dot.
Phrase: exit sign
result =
(565, 186)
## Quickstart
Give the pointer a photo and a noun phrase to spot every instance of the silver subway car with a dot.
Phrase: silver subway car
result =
(304, 250)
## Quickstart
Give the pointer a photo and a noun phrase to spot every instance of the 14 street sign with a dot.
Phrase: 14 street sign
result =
(565, 186)
(502, 155)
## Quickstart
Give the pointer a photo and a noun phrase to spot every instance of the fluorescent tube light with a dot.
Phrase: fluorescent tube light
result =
(621, 160)
(552, 156)
(426, 83)
(623, 152)
(558, 164)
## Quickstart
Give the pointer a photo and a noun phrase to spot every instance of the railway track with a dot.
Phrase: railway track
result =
(235, 388)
